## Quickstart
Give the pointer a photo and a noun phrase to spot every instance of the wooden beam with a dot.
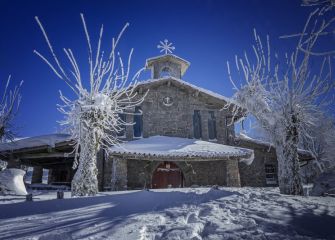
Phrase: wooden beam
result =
(46, 155)
(48, 163)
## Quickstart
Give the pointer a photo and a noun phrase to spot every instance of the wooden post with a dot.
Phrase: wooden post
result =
(37, 175)
(29, 197)
(13, 162)
(60, 194)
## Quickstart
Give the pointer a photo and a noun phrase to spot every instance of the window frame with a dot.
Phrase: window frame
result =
(270, 176)
(167, 70)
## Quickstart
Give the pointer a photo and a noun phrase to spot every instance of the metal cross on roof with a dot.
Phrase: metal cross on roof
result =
(166, 46)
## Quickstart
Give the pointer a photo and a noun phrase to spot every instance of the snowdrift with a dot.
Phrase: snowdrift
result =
(170, 214)
(11, 182)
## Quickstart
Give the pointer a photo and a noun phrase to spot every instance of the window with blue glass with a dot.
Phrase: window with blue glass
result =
(211, 126)
(197, 124)
(138, 122)
(122, 132)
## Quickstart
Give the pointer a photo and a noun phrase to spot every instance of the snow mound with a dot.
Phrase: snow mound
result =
(324, 184)
(11, 182)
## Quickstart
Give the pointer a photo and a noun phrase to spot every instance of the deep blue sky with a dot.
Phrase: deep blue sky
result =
(205, 32)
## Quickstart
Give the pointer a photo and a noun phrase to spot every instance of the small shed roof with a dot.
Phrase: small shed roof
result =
(304, 155)
(48, 151)
(33, 142)
(181, 148)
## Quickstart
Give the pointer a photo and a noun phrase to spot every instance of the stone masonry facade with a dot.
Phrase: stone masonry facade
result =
(207, 173)
(254, 175)
(176, 120)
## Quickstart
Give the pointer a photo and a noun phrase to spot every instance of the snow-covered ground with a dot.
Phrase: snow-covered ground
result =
(198, 213)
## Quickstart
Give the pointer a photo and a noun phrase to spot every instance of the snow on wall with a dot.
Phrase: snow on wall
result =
(38, 141)
(180, 147)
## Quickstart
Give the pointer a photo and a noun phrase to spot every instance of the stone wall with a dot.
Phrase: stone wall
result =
(222, 173)
(106, 174)
(158, 67)
(233, 174)
(115, 174)
(119, 174)
(253, 175)
(176, 120)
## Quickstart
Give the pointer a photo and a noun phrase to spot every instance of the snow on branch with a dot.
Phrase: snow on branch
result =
(319, 24)
(110, 91)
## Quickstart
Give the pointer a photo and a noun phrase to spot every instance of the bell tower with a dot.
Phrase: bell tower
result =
(167, 65)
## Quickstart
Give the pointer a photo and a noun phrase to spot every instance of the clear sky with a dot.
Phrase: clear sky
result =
(205, 32)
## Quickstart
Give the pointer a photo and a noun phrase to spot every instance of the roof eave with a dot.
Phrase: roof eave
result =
(176, 158)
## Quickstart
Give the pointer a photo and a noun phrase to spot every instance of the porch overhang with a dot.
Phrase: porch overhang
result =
(163, 148)
(47, 151)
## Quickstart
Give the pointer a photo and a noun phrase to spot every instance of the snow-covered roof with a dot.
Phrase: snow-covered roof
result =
(38, 141)
(243, 136)
(163, 146)
(186, 84)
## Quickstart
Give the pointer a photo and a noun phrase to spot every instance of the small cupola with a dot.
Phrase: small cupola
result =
(167, 65)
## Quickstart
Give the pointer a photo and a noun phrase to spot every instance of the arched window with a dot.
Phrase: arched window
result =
(138, 122)
(165, 72)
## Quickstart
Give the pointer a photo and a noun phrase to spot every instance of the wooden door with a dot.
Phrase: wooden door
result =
(167, 175)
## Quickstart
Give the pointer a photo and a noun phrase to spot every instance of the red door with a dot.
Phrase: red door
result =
(167, 175)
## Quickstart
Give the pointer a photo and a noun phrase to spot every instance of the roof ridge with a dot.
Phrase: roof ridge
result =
(201, 89)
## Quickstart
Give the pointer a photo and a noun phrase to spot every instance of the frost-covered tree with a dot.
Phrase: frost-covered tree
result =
(322, 145)
(93, 116)
(9, 105)
(325, 144)
(318, 3)
(287, 97)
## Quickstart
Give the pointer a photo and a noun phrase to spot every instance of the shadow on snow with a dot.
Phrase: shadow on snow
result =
(73, 214)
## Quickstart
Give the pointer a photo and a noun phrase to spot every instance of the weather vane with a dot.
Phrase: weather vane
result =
(166, 46)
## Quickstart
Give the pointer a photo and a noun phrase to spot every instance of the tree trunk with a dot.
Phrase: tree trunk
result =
(85, 180)
(288, 161)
